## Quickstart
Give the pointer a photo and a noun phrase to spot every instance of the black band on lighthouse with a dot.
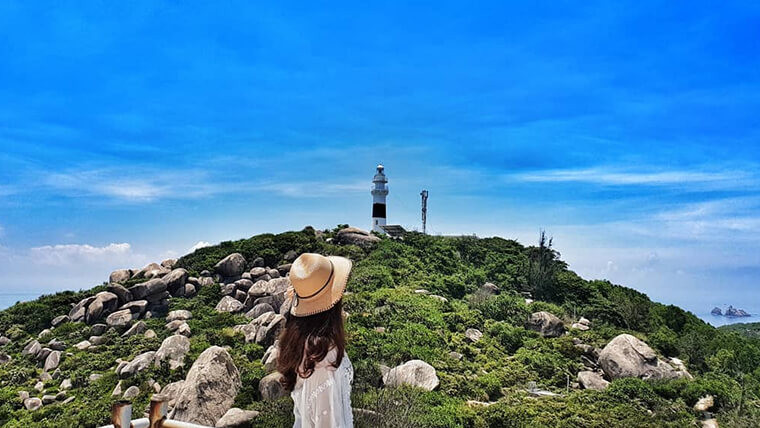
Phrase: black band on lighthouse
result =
(378, 210)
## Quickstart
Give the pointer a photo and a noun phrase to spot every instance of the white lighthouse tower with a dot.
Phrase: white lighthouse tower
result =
(379, 192)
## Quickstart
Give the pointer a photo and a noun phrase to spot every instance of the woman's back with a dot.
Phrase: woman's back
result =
(323, 399)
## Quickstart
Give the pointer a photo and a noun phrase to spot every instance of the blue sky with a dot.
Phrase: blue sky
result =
(628, 130)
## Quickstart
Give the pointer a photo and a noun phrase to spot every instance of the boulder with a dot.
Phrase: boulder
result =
(104, 303)
(139, 328)
(209, 390)
(269, 360)
(231, 266)
(32, 348)
(98, 340)
(243, 284)
(5, 358)
(229, 304)
(4, 341)
(271, 388)
(60, 396)
(44, 333)
(180, 314)
(236, 418)
(190, 290)
(273, 273)
(240, 296)
(118, 389)
(60, 319)
(121, 292)
(173, 350)
(131, 393)
(48, 399)
(489, 288)
(79, 310)
(43, 354)
(120, 275)
(284, 269)
(356, 236)
(120, 318)
(584, 321)
(627, 356)
(546, 324)
(152, 270)
(704, 404)
(39, 386)
(257, 272)
(267, 333)
(175, 281)
(32, 403)
(184, 330)
(153, 286)
(473, 335)
(65, 385)
(98, 329)
(83, 345)
(174, 325)
(227, 289)
(52, 361)
(169, 263)
(258, 262)
(415, 373)
(592, 380)
(579, 326)
(274, 300)
(138, 364)
(137, 307)
(150, 334)
(205, 281)
(259, 309)
(158, 298)
(56, 345)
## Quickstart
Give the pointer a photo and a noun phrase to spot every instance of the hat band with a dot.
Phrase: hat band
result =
(329, 278)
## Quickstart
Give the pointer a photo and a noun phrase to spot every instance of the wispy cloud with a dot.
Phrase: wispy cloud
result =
(70, 254)
(311, 189)
(612, 176)
(198, 245)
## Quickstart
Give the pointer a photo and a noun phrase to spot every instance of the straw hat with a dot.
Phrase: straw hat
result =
(318, 283)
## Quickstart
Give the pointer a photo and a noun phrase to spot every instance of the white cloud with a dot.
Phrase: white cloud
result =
(311, 189)
(611, 176)
(68, 254)
(198, 245)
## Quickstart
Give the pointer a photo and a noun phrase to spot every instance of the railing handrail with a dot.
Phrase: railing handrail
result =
(121, 416)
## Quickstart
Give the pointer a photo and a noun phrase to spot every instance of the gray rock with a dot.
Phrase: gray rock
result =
(139, 328)
(61, 396)
(415, 373)
(98, 340)
(94, 377)
(98, 329)
(546, 324)
(205, 273)
(175, 281)
(704, 404)
(236, 418)
(271, 388)
(56, 345)
(169, 263)
(266, 334)
(579, 326)
(193, 280)
(150, 334)
(121, 292)
(229, 304)
(243, 284)
(257, 272)
(23, 395)
(39, 386)
(584, 321)
(68, 400)
(45, 377)
(273, 273)
(4, 341)
(269, 360)
(206, 281)
(158, 298)
(184, 330)
(259, 262)
(131, 392)
(43, 354)
(455, 355)
(259, 309)
(33, 403)
(32, 348)
(356, 236)
(179, 315)
(44, 333)
(473, 335)
(83, 345)
(118, 389)
(489, 288)
(5, 358)
(147, 288)
(209, 390)
(173, 350)
(152, 270)
(52, 361)
(190, 290)
(120, 275)
(290, 256)
(246, 275)
(174, 325)
(138, 364)
(284, 269)
(627, 356)
(48, 399)
(592, 380)
(60, 319)
(240, 296)
(120, 318)
(170, 391)
(104, 303)
(230, 266)
(79, 310)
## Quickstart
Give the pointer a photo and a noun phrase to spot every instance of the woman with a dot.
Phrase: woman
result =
(312, 345)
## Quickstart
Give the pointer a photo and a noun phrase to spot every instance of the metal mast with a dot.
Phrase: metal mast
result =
(424, 195)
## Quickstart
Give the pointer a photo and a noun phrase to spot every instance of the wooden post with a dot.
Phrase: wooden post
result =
(157, 413)
(121, 414)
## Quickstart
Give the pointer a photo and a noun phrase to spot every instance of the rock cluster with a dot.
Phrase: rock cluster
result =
(356, 236)
(264, 329)
(627, 356)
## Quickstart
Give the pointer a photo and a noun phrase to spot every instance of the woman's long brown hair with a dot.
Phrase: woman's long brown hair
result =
(316, 334)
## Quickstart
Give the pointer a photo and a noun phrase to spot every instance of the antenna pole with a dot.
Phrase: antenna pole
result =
(424, 195)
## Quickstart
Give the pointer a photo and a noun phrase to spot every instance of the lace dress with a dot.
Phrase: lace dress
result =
(323, 400)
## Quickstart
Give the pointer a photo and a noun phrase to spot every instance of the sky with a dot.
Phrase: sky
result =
(629, 131)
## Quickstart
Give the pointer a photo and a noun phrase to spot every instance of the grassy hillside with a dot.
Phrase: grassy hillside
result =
(751, 329)
(391, 322)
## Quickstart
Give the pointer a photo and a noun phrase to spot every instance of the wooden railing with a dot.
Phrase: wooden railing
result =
(121, 416)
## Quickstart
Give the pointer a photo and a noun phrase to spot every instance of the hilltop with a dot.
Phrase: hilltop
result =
(499, 334)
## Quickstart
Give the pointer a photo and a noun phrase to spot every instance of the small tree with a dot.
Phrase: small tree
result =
(542, 269)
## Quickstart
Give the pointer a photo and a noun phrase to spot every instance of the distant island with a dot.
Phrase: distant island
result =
(730, 312)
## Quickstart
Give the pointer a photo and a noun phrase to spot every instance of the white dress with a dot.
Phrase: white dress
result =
(323, 400)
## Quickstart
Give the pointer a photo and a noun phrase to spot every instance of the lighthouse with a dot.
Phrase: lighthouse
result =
(379, 192)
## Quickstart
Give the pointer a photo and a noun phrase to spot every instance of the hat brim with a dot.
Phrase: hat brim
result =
(331, 294)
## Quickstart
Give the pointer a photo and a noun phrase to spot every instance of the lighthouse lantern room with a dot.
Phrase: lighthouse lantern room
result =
(379, 192)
